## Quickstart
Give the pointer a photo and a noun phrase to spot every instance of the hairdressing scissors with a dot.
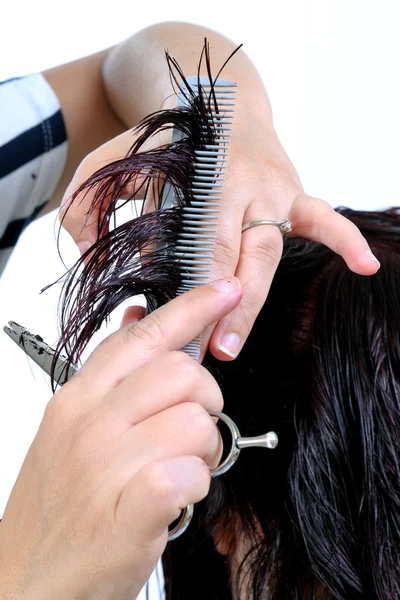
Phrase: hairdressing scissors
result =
(43, 355)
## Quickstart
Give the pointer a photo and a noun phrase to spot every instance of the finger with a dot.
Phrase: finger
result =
(132, 314)
(77, 214)
(185, 428)
(170, 327)
(260, 253)
(73, 215)
(155, 496)
(316, 220)
(167, 380)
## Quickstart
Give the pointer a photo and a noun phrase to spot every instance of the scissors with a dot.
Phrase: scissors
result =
(43, 355)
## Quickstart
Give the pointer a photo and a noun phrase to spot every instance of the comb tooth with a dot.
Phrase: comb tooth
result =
(213, 150)
(199, 280)
(195, 270)
(200, 223)
(218, 124)
(203, 215)
(210, 159)
(197, 194)
(215, 154)
(192, 236)
(200, 191)
(189, 258)
(215, 146)
(200, 213)
(208, 205)
(198, 197)
(203, 229)
(201, 242)
(203, 169)
(219, 121)
(189, 277)
(197, 262)
(221, 91)
(210, 184)
(191, 261)
(222, 136)
(221, 168)
(217, 84)
(204, 176)
(194, 250)
(196, 253)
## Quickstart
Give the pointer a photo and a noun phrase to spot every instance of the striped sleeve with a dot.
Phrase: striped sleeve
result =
(33, 151)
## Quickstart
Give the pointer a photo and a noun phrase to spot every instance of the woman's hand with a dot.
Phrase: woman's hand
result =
(122, 448)
(261, 183)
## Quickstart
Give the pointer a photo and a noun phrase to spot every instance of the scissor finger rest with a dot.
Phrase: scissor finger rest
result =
(267, 440)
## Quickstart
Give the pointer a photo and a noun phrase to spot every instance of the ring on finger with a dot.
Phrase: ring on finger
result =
(285, 226)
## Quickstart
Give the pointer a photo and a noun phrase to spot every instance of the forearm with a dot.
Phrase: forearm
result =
(111, 91)
(137, 82)
(89, 118)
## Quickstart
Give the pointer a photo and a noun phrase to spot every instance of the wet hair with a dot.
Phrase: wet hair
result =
(321, 367)
(137, 257)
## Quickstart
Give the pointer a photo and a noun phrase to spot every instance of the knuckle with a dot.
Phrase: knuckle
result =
(225, 255)
(184, 371)
(197, 421)
(217, 397)
(57, 412)
(267, 250)
(148, 331)
(159, 481)
(189, 377)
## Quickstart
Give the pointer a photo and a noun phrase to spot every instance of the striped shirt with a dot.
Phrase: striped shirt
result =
(33, 151)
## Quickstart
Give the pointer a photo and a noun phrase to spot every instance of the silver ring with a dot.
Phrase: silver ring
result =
(285, 226)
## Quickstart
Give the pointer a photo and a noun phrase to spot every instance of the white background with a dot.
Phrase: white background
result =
(332, 72)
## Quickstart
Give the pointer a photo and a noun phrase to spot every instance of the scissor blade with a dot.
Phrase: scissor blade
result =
(40, 352)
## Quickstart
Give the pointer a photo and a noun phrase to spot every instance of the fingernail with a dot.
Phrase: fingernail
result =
(372, 257)
(230, 344)
(83, 246)
(228, 285)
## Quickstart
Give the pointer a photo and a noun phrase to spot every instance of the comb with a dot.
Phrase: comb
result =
(195, 246)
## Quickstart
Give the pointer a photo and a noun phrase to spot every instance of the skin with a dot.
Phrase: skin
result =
(122, 448)
(89, 512)
(261, 181)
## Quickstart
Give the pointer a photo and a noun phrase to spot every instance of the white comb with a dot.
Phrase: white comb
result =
(195, 246)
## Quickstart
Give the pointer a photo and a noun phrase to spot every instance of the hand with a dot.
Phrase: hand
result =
(261, 183)
(122, 448)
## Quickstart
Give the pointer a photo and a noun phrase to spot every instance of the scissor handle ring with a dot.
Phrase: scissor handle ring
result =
(183, 524)
(223, 467)
(233, 452)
